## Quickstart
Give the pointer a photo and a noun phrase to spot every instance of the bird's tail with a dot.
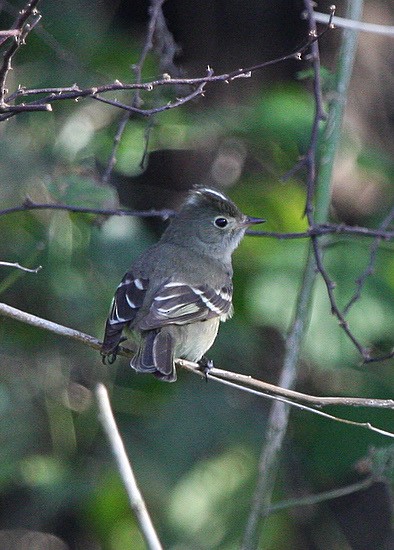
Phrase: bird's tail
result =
(156, 355)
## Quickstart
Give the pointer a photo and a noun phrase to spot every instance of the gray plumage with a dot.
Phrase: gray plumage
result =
(178, 290)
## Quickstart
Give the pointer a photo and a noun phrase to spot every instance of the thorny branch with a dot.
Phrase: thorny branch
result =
(9, 108)
(25, 22)
(309, 162)
(333, 125)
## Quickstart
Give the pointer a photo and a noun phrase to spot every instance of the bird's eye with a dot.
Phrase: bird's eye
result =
(220, 222)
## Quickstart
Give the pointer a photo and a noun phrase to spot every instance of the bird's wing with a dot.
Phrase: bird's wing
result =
(128, 299)
(180, 303)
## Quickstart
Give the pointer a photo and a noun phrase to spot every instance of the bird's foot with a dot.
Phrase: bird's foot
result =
(109, 358)
(205, 365)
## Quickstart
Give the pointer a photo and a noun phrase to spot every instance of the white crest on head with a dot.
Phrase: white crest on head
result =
(206, 191)
(215, 192)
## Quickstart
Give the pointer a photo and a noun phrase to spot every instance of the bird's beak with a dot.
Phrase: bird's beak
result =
(253, 221)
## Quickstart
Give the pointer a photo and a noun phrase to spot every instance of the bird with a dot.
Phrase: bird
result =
(177, 292)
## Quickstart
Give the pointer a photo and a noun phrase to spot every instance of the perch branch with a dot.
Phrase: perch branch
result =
(219, 374)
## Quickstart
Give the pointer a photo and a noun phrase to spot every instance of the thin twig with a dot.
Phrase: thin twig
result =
(23, 27)
(326, 229)
(324, 496)
(137, 502)
(319, 116)
(74, 92)
(329, 149)
(360, 282)
(115, 145)
(298, 396)
(154, 13)
(387, 30)
(282, 400)
(137, 102)
(29, 205)
(18, 266)
(9, 33)
(149, 112)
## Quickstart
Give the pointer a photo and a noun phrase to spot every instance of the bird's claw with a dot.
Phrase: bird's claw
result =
(205, 365)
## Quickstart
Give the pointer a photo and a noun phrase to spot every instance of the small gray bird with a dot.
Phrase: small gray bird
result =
(178, 290)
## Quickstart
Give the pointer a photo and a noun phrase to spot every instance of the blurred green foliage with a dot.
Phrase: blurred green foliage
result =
(195, 446)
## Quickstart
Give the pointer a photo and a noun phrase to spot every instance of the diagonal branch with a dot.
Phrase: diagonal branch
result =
(360, 282)
(324, 496)
(137, 502)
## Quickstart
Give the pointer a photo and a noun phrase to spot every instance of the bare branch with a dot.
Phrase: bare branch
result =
(18, 266)
(360, 282)
(25, 22)
(125, 470)
(319, 229)
(324, 496)
(74, 92)
(156, 18)
(328, 153)
(295, 395)
(283, 400)
(149, 112)
(115, 145)
(316, 230)
(219, 374)
(8, 34)
(387, 30)
(29, 205)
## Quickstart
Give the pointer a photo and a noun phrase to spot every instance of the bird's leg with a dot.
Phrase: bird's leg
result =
(205, 365)
(110, 358)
